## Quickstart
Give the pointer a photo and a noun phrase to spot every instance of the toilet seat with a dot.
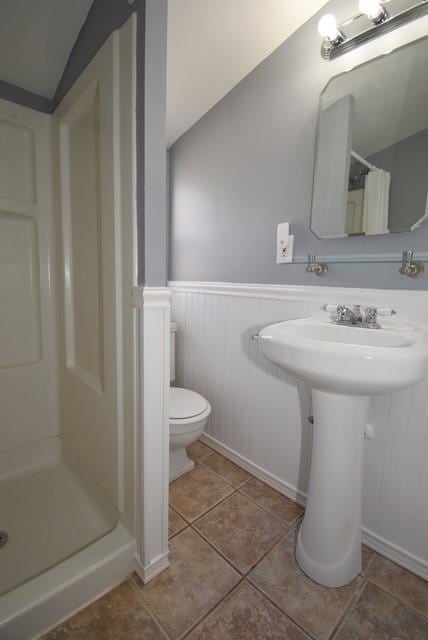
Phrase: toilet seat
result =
(187, 411)
(184, 404)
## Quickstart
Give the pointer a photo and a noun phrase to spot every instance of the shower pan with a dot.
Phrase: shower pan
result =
(66, 337)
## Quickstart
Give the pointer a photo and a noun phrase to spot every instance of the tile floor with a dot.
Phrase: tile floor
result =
(233, 576)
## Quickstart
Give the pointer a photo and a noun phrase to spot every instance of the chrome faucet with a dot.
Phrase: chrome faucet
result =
(353, 317)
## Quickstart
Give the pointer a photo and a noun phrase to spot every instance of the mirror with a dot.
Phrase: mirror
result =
(371, 169)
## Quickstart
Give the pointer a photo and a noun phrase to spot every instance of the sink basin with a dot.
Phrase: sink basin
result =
(351, 360)
(344, 366)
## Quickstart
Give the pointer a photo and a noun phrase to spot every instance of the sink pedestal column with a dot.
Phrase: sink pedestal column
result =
(329, 542)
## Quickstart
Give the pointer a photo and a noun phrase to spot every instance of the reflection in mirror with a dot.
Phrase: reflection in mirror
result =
(371, 171)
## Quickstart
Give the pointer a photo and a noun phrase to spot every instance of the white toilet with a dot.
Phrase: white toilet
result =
(188, 415)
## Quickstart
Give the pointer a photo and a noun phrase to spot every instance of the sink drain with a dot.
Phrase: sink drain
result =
(3, 538)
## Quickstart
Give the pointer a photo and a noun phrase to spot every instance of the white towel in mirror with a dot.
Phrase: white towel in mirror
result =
(376, 202)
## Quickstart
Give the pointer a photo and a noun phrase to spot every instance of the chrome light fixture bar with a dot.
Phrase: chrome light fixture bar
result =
(374, 20)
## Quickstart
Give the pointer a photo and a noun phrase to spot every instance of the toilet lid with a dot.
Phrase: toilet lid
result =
(184, 403)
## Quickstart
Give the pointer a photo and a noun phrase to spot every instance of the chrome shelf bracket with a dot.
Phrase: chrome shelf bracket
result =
(411, 268)
(319, 268)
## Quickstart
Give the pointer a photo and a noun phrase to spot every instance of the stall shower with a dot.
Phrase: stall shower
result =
(63, 216)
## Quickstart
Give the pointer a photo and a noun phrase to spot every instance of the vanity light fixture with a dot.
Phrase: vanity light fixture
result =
(373, 20)
(374, 10)
(328, 29)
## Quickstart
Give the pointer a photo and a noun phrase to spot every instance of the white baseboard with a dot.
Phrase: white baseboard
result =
(396, 554)
(153, 569)
(382, 546)
(263, 475)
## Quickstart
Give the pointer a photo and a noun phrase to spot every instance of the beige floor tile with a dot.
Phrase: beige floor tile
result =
(175, 523)
(272, 500)
(316, 608)
(241, 531)
(198, 450)
(196, 492)
(195, 581)
(402, 584)
(246, 615)
(368, 557)
(119, 615)
(377, 616)
(226, 469)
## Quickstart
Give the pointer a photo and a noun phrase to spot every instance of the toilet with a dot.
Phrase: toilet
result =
(188, 415)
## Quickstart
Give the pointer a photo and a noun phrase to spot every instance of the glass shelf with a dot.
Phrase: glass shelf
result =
(362, 259)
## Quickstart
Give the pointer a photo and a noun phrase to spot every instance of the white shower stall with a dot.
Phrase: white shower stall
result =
(68, 401)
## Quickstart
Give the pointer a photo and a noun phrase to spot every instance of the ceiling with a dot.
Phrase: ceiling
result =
(213, 44)
(36, 38)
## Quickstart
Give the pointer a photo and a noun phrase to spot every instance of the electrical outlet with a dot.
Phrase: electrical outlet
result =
(285, 254)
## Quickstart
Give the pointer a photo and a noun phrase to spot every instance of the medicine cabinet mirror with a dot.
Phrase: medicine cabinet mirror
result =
(371, 169)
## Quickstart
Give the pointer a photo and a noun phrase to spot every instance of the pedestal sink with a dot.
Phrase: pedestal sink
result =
(344, 366)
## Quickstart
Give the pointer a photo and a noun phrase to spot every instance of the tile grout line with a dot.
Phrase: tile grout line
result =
(201, 460)
(174, 535)
(287, 615)
(243, 574)
(349, 607)
(211, 610)
(251, 477)
(204, 513)
(139, 591)
(239, 489)
(406, 605)
(288, 524)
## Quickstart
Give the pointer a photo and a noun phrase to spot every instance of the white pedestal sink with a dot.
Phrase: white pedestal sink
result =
(344, 366)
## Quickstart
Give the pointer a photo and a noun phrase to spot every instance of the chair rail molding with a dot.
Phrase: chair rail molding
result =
(152, 438)
(303, 293)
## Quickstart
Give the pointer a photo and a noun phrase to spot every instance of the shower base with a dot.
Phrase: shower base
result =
(49, 510)
(61, 530)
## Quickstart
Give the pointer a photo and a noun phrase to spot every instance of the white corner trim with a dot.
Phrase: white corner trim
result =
(154, 568)
(312, 294)
(150, 297)
(152, 449)
(382, 546)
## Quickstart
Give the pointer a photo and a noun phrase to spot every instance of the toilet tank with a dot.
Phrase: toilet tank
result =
(173, 330)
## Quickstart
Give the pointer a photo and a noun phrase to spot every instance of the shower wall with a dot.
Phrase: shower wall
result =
(97, 266)
(28, 356)
(68, 263)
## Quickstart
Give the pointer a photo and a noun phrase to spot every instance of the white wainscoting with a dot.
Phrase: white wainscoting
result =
(259, 416)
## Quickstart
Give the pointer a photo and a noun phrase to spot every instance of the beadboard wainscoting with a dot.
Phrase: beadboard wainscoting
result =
(260, 414)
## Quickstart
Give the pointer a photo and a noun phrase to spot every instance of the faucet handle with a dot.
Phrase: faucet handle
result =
(371, 315)
(342, 313)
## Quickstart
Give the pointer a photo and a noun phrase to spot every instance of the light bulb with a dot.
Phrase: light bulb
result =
(372, 8)
(327, 27)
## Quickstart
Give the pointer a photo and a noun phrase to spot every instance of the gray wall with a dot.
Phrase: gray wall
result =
(26, 98)
(153, 245)
(248, 165)
(407, 162)
(104, 17)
